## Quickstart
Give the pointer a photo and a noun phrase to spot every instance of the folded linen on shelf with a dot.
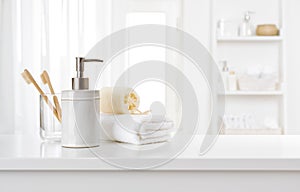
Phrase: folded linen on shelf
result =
(121, 135)
(142, 130)
(154, 133)
(151, 126)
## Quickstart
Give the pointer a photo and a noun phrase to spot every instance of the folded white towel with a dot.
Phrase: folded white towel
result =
(153, 140)
(107, 122)
(154, 134)
(150, 126)
(122, 134)
(138, 130)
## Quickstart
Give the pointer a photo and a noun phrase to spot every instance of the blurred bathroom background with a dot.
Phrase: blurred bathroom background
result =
(49, 34)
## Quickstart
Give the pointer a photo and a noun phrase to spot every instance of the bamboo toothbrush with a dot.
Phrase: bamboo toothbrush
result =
(46, 80)
(29, 79)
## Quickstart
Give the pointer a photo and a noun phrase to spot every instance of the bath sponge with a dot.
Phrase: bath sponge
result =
(118, 100)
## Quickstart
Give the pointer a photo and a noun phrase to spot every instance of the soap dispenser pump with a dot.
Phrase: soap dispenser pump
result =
(246, 28)
(80, 111)
(80, 82)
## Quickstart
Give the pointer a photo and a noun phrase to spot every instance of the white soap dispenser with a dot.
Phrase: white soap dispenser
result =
(80, 111)
(246, 28)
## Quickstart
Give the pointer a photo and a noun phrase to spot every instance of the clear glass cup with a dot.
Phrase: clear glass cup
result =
(50, 125)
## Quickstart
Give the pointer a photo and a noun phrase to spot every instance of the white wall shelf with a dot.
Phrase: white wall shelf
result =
(243, 52)
(258, 131)
(254, 93)
(252, 38)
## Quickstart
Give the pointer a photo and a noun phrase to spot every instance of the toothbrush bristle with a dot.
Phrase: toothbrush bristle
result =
(25, 76)
(43, 77)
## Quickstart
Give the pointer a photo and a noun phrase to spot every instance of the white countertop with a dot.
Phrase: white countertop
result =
(20, 152)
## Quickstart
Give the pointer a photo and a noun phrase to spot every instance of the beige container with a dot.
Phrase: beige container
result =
(253, 83)
(267, 30)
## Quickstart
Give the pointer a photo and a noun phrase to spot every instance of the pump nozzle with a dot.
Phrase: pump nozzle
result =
(247, 15)
(80, 82)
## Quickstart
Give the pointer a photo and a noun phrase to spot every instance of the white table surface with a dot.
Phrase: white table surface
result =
(278, 153)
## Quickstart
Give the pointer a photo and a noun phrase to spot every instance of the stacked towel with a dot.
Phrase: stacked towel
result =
(140, 129)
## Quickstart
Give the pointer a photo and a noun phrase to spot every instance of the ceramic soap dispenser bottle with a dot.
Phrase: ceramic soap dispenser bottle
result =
(246, 28)
(80, 111)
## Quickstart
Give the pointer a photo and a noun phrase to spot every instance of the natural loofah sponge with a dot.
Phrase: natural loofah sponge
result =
(118, 100)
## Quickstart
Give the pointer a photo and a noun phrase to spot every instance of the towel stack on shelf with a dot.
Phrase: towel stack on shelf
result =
(137, 129)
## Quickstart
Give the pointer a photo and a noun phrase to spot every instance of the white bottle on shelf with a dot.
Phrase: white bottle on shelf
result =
(225, 71)
(232, 81)
(246, 28)
(221, 28)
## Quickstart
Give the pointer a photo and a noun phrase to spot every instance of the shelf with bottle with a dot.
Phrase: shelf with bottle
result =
(254, 81)
(247, 31)
(250, 38)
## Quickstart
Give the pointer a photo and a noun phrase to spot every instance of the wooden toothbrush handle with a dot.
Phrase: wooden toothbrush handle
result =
(46, 100)
(29, 79)
(46, 80)
(57, 106)
(51, 107)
